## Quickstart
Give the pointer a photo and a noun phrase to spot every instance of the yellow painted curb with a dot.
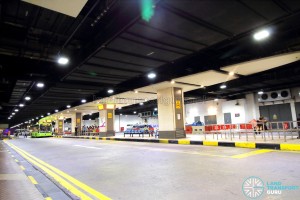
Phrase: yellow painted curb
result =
(245, 145)
(290, 147)
(163, 141)
(210, 143)
(33, 181)
(184, 142)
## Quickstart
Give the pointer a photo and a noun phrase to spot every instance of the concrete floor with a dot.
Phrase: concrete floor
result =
(124, 170)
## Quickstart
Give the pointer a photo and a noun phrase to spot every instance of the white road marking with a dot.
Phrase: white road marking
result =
(86, 147)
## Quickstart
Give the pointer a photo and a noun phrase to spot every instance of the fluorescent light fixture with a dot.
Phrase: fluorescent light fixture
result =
(27, 98)
(151, 75)
(16, 110)
(63, 60)
(260, 35)
(110, 91)
(223, 86)
(40, 85)
(68, 106)
(155, 109)
(56, 110)
(21, 105)
(231, 73)
(83, 101)
(260, 92)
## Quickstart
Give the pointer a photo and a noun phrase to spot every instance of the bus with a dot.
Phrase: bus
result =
(42, 129)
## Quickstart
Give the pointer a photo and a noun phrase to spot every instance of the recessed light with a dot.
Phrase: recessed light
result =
(48, 113)
(40, 85)
(89, 119)
(121, 114)
(83, 101)
(21, 105)
(151, 75)
(63, 60)
(42, 115)
(134, 112)
(216, 99)
(172, 81)
(231, 73)
(223, 86)
(260, 35)
(260, 92)
(141, 103)
(120, 108)
(68, 106)
(56, 110)
(136, 91)
(16, 110)
(75, 109)
(27, 98)
(36, 118)
(155, 109)
(110, 91)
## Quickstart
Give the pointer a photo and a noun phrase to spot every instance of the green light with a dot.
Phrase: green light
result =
(147, 9)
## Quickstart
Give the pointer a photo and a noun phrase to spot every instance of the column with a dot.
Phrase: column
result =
(78, 123)
(106, 120)
(252, 108)
(170, 113)
(294, 114)
(60, 127)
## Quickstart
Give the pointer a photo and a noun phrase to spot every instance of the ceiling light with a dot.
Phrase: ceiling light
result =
(56, 110)
(63, 60)
(36, 118)
(141, 103)
(83, 101)
(32, 119)
(121, 114)
(110, 91)
(155, 109)
(8, 118)
(120, 108)
(89, 119)
(216, 99)
(223, 86)
(21, 105)
(75, 109)
(40, 85)
(13, 113)
(90, 113)
(261, 35)
(172, 82)
(151, 75)
(68, 111)
(260, 92)
(42, 115)
(48, 113)
(231, 73)
(27, 98)
(134, 112)
(16, 110)
(68, 106)
(136, 91)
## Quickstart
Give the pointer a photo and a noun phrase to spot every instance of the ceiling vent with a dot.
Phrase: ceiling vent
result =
(278, 95)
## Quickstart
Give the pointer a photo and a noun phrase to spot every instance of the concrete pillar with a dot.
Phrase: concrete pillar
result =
(294, 114)
(252, 108)
(60, 123)
(106, 121)
(78, 123)
(170, 108)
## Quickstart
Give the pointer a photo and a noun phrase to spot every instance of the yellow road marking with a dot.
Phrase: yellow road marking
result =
(245, 144)
(33, 181)
(252, 153)
(163, 141)
(16, 160)
(23, 168)
(184, 142)
(290, 147)
(210, 143)
(62, 174)
(48, 198)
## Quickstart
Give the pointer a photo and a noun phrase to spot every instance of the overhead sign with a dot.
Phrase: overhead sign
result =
(100, 106)
(178, 104)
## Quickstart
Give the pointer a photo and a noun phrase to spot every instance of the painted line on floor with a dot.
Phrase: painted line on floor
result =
(252, 153)
(33, 181)
(48, 198)
(58, 174)
(77, 145)
(250, 145)
(60, 180)
(23, 168)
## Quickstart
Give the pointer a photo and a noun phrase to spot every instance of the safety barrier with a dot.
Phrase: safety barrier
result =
(265, 130)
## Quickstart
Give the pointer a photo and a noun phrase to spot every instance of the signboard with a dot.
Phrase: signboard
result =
(100, 106)
(109, 115)
(178, 104)
(110, 106)
(78, 120)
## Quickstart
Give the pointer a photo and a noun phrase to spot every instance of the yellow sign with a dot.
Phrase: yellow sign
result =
(100, 106)
(178, 104)
(109, 115)
(60, 123)
(78, 120)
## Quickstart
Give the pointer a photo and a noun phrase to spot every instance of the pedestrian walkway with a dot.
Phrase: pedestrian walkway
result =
(14, 184)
